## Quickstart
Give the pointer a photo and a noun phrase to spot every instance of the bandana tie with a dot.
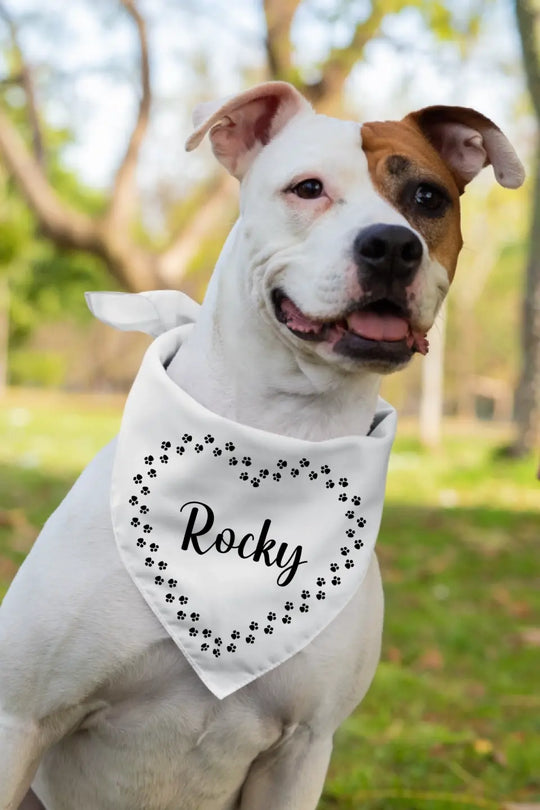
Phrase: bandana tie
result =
(245, 544)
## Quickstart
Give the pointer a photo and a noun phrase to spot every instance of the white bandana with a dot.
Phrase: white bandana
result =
(245, 544)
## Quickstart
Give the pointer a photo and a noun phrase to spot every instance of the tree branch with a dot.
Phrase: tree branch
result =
(527, 20)
(24, 78)
(124, 193)
(279, 16)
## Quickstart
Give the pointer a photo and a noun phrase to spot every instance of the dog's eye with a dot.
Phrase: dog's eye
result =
(308, 189)
(433, 200)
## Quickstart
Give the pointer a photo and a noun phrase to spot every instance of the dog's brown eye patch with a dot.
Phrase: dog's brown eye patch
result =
(397, 164)
(426, 199)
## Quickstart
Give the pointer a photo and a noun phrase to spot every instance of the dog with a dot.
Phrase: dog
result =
(344, 250)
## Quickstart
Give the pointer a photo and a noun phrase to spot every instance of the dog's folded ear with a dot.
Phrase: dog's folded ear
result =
(241, 125)
(467, 141)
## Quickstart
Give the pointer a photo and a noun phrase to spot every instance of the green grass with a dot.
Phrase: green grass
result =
(451, 720)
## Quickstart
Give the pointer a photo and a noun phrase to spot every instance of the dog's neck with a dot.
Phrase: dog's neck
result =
(236, 365)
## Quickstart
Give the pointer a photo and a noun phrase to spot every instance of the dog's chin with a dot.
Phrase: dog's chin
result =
(378, 336)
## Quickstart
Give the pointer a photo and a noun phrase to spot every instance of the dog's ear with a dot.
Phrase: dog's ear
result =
(467, 141)
(241, 125)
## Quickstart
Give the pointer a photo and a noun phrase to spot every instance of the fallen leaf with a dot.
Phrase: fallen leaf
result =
(520, 806)
(530, 636)
(431, 659)
(483, 746)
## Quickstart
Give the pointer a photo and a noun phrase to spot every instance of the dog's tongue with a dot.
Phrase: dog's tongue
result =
(375, 326)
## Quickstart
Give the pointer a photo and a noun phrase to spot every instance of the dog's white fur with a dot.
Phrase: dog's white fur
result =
(98, 708)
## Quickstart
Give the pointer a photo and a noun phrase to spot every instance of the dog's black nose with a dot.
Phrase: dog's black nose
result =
(393, 252)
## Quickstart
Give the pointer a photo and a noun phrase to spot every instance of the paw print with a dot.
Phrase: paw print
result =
(349, 564)
(271, 616)
(193, 631)
(137, 479)
(141, 543)
(180, 449)
(345, 551)
(198, 448)
(209, 439)
(361, 522)
(343, 482)
(336, 580)
(218, 642)
(144, 509)
(162, 565)
(321, 581)
(358, 544)
(329, 484)
(356, 499)
(181, 615)
(216, 653)
(145, 491)
(325, 469)
(342, 497)
(186, 438)
(263, 473)
(254, 482)
(149, 562)
(235, 635)
(152, 473)
(295, 472)
(133, 500)
(135, 521)
(304, 462)
(286, 620)
(231, 648)
(159, 580)
(334, 567)
(304, 608)
(233, 461)
(268, 629)
(288, 606)
(281, 464)
(313, 475)
(165, 445)
(250, 639)
(254, 626)
(243, 476)
(229, 446)
(148, 459)
(183, 600)
(153, 547)
(350, 532)
(321, 595)
(164, 459)
(305, 594)
(169, 597)
(172, 583)
(349, 514)
(217, 452)
(147, 528)
(194, 617)
(246, 461)
(207, 633)
(205, 646)
(277, 476)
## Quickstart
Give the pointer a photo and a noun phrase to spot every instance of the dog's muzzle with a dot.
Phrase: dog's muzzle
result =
(387, 255)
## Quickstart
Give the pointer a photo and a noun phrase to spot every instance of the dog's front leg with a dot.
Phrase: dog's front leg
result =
(290, 775)
(21, 748)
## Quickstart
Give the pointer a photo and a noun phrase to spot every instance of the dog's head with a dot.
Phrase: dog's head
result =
(351, 233)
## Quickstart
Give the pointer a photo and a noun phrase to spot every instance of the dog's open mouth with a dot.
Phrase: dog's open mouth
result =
(378, 331)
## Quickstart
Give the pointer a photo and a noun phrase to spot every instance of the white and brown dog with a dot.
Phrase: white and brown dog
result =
(345, 247)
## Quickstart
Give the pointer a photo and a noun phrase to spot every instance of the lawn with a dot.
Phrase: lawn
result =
(451, 720)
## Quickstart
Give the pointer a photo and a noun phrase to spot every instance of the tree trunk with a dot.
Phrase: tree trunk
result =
(431, 402)
(527, 401)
